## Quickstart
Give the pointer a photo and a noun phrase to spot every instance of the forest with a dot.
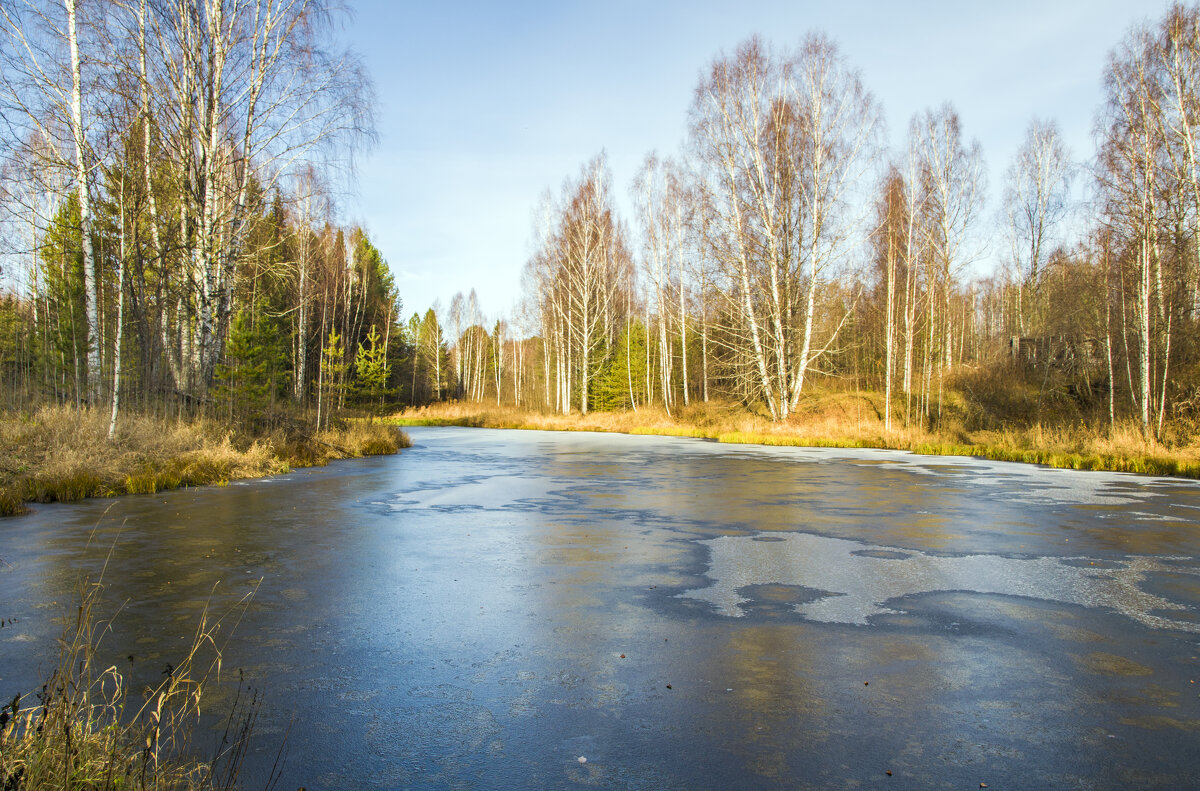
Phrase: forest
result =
(170, 178)
(169, 188)
(785, 250)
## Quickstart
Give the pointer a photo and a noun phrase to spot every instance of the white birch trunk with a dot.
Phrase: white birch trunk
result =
(91, 285)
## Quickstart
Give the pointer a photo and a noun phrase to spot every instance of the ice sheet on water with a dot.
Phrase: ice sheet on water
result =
(496, 491)
(859, 580)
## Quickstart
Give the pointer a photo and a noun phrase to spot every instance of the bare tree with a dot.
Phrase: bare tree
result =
(658, 195)
(953, 179)
(1036, 193)
(1130, 175)
(781, 142)
(247, 92)
(890, 243)
(43, 83)
(579, 270)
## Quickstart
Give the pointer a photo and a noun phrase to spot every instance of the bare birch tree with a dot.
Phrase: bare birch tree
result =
(580, 270)
(781, 143)
(953, 178)
(1130, 176)
(1035, 200)
(247, 92)
(42, 77)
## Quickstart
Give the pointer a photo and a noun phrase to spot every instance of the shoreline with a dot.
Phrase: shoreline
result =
(1062, 450)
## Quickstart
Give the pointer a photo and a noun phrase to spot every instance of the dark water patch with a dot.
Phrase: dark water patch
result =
(882, 554)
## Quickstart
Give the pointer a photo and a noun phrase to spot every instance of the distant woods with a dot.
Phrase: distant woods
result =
(168, 195)
(786, 247)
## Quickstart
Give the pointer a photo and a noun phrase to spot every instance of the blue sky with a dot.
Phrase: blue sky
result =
(482, 106)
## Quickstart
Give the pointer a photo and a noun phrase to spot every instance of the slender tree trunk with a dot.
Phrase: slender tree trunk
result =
(116, 394)
(1162, 396)
(1108, 353)
(91, 286)
(704, 339)
(416, 353)
(546, 361)
(1144, 307)
(683, 373)
(649, 369)
(301, 367)
(664, 348)
(889, 333)
(321, 364)
(909, 336)
(629, 353)
(499, 355)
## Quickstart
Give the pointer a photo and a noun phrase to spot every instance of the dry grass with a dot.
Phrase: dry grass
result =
(62, 454)
(85, 733)
(349, 439)
(364, 438)
(651, 420)
(854, 420)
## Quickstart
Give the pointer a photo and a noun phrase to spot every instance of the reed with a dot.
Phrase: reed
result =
(362, 437)
(83, 731)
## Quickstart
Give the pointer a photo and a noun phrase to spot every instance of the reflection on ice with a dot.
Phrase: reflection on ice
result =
(858, 580)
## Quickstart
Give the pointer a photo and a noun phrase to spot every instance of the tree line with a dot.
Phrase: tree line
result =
(168, 198)
(785, 245)
(168, 195)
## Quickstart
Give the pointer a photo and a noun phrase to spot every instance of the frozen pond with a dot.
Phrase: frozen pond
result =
(488, 607)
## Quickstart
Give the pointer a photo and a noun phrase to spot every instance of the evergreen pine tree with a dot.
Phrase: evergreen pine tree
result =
(333, 365)
(371, 370)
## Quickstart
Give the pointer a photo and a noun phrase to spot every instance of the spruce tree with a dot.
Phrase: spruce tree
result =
(371, 370)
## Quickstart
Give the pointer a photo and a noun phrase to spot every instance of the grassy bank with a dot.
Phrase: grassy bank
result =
(848, 420)
(63, 454)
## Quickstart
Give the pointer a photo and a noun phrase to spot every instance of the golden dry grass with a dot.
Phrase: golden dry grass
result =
(363, 438)
(58, 453)
(847, 419)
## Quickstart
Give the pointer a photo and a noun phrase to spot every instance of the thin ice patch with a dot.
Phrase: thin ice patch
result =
(861, 579)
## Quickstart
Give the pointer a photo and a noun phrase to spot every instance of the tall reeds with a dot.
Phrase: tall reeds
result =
(85, 731)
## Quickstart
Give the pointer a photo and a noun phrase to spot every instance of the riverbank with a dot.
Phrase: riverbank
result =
(63, 454)
(846, 421)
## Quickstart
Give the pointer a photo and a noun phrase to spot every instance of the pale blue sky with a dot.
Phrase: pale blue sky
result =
(485, 105)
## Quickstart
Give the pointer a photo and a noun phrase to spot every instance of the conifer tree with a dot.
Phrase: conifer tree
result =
(330, 385)
(371, 370)
(245, 378)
